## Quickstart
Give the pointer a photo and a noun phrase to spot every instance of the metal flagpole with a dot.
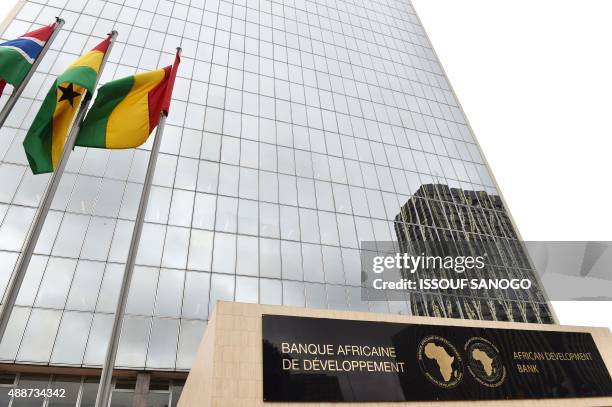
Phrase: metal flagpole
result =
(104, 388)
(18, 275)
(17, 92)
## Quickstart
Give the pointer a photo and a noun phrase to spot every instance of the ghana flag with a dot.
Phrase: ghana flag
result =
(127, 110)
(45, 140)
(18, 55)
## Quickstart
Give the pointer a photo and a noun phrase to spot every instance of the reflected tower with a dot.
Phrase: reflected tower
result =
(439, 213)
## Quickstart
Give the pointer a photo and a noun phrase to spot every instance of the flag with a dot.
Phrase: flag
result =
(127, 110)
(18, 55)
(45, 140)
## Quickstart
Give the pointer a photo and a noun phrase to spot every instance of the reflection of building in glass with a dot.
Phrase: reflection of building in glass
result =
(297, 130)
(439, 213)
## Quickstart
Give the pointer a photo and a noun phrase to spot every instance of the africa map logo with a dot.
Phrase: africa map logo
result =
(440, 361)
(443, 365)
(484, 362)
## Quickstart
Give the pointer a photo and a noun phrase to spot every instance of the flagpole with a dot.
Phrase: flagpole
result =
(104, 388)
(10, 103)
(19, 272)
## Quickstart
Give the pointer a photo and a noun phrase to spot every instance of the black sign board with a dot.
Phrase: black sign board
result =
(317, 359)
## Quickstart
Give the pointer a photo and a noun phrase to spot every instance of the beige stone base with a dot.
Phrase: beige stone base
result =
(227, 370)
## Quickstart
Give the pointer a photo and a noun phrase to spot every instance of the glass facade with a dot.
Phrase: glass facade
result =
(81, 391)
(298, 128)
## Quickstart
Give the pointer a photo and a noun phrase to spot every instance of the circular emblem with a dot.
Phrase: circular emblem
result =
(484, 362)
(440, 361)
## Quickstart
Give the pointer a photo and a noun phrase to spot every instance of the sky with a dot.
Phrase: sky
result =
(535, 80)
(5, 7)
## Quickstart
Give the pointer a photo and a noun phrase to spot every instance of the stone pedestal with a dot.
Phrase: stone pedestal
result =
(228, 369)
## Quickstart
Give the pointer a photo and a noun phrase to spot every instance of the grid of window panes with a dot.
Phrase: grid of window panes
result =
(81, 391)
(298, 128)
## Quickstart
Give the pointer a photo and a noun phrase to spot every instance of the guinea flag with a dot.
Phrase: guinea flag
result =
(47, 135)
(127, 110)
(18, 55)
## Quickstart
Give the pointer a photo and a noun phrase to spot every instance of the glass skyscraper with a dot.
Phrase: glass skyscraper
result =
(298, 129)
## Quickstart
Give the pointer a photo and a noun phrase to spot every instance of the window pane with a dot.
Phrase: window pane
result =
(268, 220)
(98, 339)
(133, 341)
(313, 263)
(89, 392)
(249, 182)
(98, 239)
(332, 263)
(181, 208)
(85, 286)
(142, 291)
(228, 180)
(336, 297)
(158, 399)
(4, 397)
(39, 336)
(269, 257)
(270, 292)
(55, 283)
(224, 256)
(204, 211)
(175, 248)
(31, 382)
(176, 394)
(151, 245)
(248, 217)
(122, 399)
(247, 261)
(227, 209)
(189, 341)
(293, 293)
(32, 279)
(246, 289)
(162, 346)
(14, 331)
(71, 386)
(309, 225)
(71, 338)
(195, 302)
(315, 295)
(169, 293)
(221, 289)
(200, 250)
(71, 235)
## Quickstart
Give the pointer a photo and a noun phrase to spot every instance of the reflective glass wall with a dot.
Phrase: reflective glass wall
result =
(80, 391)
(298, 129)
